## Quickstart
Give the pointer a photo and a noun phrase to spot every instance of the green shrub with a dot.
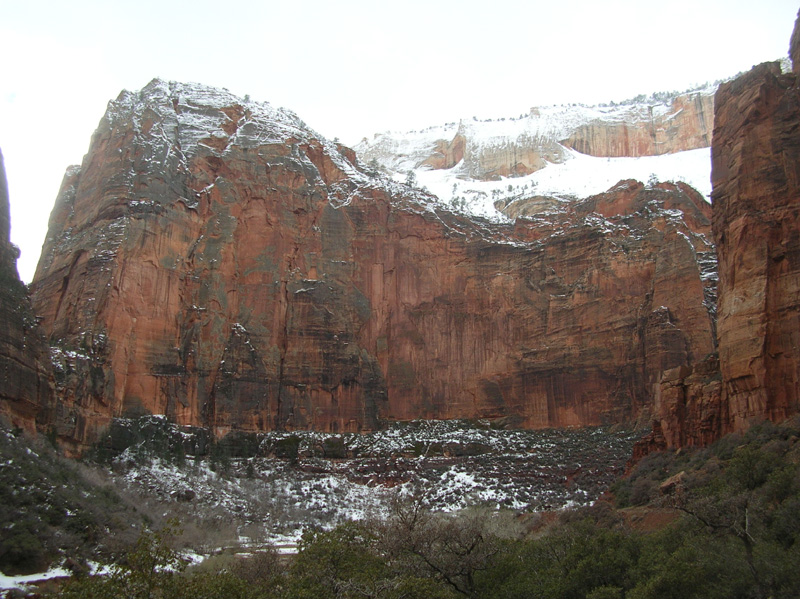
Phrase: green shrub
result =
(49, 510)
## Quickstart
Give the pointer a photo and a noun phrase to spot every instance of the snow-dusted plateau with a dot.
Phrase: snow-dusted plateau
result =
(540, 141)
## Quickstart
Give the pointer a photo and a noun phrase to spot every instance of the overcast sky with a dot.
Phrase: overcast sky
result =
(349, 68)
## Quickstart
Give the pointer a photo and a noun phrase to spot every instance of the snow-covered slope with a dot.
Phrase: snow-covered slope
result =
(405, 150)
(287, 482)
(459, 161)
(579, 176)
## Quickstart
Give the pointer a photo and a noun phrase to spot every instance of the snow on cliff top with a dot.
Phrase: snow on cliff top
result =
(578, 176)
(547, 122)
(556, 122)
(187, 115)
(202, 110)
(185, 118)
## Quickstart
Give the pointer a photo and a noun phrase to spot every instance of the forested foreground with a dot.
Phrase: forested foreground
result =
(717, 522)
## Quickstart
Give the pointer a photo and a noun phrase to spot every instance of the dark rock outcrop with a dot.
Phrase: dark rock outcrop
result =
(25, 384)
(215, 261)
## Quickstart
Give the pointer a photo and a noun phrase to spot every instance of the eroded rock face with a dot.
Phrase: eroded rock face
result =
(488, 150)
(510, 157)
(446, 154)
(215, 261)
(686, 125)
(756, 221)
(756, 177)
(689, 404)
(25, 384)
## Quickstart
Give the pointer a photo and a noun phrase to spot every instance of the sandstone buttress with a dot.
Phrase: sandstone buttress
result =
(756, 221)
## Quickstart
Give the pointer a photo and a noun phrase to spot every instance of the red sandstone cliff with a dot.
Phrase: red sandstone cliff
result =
(215, 261)
(756, 221)
(756, 177)
(25, 384)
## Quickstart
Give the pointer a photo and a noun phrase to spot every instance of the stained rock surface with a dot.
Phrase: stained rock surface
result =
(756, 175)
(687, 124)
(216, 261)
(488, 150)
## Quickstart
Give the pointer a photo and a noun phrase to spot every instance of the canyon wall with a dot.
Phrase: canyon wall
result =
(25, 385)
(756, 178)
(756, 222)
(216, 261)
(516, 157)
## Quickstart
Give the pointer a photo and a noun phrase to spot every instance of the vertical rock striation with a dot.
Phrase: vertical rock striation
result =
(686, 124)
(756, 178)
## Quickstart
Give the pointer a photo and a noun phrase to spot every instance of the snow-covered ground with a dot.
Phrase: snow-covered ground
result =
(448, 465)
(22, 582)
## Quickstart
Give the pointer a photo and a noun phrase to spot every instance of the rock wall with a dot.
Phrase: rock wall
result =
(490, 149)
(511, 158)
(25, 384)
(756, 178)
(687, 125)
(446, 155)
(756, 222)
(215, 261)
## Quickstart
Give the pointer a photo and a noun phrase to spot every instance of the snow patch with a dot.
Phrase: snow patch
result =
(24, 582)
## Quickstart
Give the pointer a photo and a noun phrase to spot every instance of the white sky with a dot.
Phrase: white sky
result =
(349, 68)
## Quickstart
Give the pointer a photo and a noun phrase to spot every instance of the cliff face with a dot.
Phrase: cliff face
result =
(446, 155)
(756, 176)
(25, 384)
(756, 221)
(686, 125)
(215, 261)
(510, 158)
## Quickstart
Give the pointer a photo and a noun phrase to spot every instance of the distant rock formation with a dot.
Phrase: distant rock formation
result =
(488, 150)
(686, 125)
(216, 261)
(25, 383)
